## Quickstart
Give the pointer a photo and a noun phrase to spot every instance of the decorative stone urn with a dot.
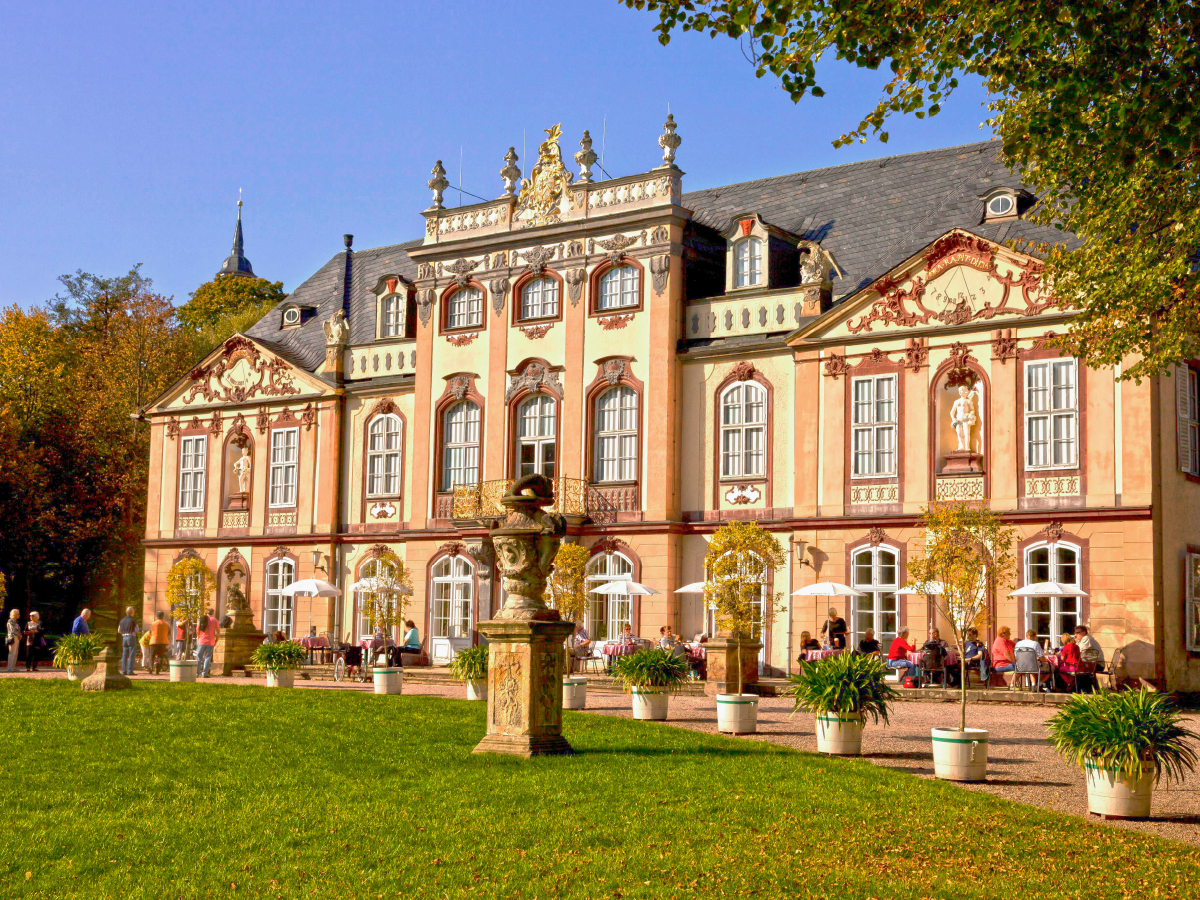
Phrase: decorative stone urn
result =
(525, 661)
(236, 643)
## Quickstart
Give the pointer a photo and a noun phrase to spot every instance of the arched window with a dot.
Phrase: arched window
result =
(608, 614)
(616, 435)
(373, 568)
(536, 435)
(453, 595)
(743, 430)
(1052, 617)
(747, 256)
(539, 299)
(465, 308)
(384, 440)
(460, 445)
(277, 609)
(874, 571)
(618, 288)
(391, 316)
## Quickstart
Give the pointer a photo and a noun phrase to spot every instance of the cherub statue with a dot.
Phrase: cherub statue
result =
(964, 415)
(337, 329)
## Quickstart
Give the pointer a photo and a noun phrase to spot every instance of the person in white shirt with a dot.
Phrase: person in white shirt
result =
(1089, 647)
(1030, 643)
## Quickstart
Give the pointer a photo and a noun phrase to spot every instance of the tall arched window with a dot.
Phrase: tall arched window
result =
(384, 440)
(277, 608)
(618, 288)
(539, 299)
(747, 257)
(874, 571)
(743, 430)
(1052, 617)
(616, 435)
(465, 309)
(537, 432)
(608, 614)
(460, 445)
(372, 569)
(453, 595)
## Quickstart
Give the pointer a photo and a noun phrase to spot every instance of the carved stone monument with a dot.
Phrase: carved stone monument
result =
(525, 662)
(236, 643)
(107, 676)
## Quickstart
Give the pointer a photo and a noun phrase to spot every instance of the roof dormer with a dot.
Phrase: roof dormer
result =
(1002, 204)
(395, 307)
(293, 315)
(759, 255)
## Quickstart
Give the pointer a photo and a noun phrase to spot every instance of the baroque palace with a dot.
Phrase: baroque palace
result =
(825, 353)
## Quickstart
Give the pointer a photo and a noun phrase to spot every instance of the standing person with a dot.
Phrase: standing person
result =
(834, 630)
(160, 637)
(128, 629)
(80, 625)
(12, 639)
(207, 641)
(34, 640)
(180, 639)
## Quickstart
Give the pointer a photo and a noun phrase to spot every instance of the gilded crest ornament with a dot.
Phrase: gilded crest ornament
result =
(542, 193)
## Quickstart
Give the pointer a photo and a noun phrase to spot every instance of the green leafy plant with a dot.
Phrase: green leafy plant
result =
(843, 683)
(1134, 733)
(280, 657)
(651, 668)
(470, 664)
(76, 649)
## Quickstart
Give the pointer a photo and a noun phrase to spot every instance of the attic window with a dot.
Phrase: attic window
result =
(1001, 205)
(291, 316)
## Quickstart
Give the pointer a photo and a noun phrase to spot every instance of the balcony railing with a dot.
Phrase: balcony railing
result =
(572, 497)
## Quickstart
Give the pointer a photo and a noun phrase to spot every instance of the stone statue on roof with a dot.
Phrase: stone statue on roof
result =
(337, 329)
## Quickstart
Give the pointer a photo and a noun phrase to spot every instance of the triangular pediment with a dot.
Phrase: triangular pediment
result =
(240, 371)
(960, 280)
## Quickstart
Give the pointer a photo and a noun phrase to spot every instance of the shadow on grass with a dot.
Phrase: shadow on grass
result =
(662, 751)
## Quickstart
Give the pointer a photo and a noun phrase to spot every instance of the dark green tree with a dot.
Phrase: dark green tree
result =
(229, 296)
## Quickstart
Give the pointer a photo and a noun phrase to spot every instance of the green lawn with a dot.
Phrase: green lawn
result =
(177, 790)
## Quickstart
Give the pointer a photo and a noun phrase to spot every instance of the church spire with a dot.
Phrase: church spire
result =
(237, 264)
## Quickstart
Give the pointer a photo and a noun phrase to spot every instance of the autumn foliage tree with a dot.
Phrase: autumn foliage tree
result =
(565, 588)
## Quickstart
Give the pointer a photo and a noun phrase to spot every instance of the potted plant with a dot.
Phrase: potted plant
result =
(77, 654)
(1125, 742)
(471, 666)
(738, 559)
(566, 592)
(650, 675)
(383, 608)
(280, 660)
(189, 586)
(968, 553)
(841, 691)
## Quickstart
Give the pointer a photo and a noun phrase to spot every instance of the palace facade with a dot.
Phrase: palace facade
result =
(825, 353)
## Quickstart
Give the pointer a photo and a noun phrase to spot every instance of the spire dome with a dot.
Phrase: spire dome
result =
(237, 264)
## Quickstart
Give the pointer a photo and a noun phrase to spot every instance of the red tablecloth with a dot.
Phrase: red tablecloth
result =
(619, 649)
(814, 655)
(697, 653)
(315, 642)
(951, 658)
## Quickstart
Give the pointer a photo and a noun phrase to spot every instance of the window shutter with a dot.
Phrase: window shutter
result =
(1182, 419)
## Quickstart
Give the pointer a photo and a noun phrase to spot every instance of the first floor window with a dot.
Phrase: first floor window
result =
(1193, 601)
(873, 416)
(285, 446)
(608, 614)
(537, 434)
(748, 262)
(392, 316)
(453, 593)
(617, 435)
(460, 445)
(539, 299)
(875, 572)
(618, 288)
(1052, 616)
(277, 611)
(191, 474)
(743, 430)
(1187, 411)
(1051, 414)
(466, 308)
(383, 456)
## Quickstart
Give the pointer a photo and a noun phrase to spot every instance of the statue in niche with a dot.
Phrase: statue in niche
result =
(241, 467)
(964, 416)
(966, 423)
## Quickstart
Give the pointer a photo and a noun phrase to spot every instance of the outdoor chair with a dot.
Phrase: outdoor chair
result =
(933, 662)
(1026, 668)
(968, 665)
(593, 662)
(1085, 677)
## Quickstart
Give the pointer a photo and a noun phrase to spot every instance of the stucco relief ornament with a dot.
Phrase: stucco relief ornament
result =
(741, 494)
(536, 258)
(459, 385)
(669, 141)
(510, 173)
(614, 370)
(540, 200)
(240, 372)
(438, 184)
(586, 158)
(526, 543)
(533, 378)
(616, 246)
(462, 269)
(660, 268)
(499, 288)
(876, 536)
(575, 279)
(424, 306)
(743, 371)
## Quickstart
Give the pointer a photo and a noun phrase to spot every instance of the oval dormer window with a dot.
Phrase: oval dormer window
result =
(1002, 205)
(291, 316)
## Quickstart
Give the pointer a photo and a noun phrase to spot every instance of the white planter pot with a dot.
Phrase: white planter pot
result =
(280, 678)
(737, 713)
(183, 669)
(388, 680)
(80, 671)
(960, 755)
(649, 703)
(477, 690)
(574, 692)
(839, 735)
(1116, 796)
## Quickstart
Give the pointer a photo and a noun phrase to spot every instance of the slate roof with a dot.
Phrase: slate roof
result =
(870, 215)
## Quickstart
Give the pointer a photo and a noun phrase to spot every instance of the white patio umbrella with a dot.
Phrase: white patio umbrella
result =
(372, 585)
(828, 589)
(620, 586)
(934, 588)
(1048, 589)
(696, 587)
(314, 586)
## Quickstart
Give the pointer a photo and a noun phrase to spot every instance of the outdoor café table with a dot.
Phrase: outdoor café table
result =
(313, 642)
(814, 655)
(696, 652)
(617, 648)
(373, 646)
(951, 657)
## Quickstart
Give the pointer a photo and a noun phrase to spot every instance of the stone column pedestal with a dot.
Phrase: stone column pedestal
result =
(236, 643)
(962, 462)
(723, 652)
(525, 666)
(107, 676)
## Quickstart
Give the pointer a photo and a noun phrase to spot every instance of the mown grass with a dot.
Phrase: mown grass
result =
(176, 790)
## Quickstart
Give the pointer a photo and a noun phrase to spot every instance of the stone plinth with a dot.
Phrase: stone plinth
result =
(107, 676)
(525, 666)
(236, 643)
(723, 652)
(962, 462)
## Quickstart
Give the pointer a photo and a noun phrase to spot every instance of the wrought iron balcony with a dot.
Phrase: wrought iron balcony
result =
(572, 497)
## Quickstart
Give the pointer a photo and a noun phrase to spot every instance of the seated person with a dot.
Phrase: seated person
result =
(807, 643)
(1089, 647)
(1002, 651)
(1069, 659)
(868, 646)
(412, 638)
(833, 630)
(581, 643)
(312, 630)
(898, 655)
(937, 653)
(666, 640)
(974, 652)
(627, 634)
(1031, 643)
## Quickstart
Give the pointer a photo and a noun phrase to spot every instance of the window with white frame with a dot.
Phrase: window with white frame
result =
(460, 445)
(1051, 414)
(1193, 601)
(608, 614)
(539, 299)
(537, 432)
(285, 446)
(465, 308)
(277, 610)
(875, 572)
(873, 418)
(391, 316)
(453, 593)
(192, 456)
(384, 440)
(618, 288)
(743, 430)
(617, 434)
(747, 258)
(1053, 616)
(1187, 411)
(374, 568)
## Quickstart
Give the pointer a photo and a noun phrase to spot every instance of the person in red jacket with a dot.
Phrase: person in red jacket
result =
(1002, 651)
(898, 655)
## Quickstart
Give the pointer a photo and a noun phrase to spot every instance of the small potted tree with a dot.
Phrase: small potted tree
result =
(77, 654)
(1125, 742)
(566, 592)
(281, 661)
(968, 554)
(383, 608)
(471, 667)
(190, 584)
(738, 559)
(650, 675)
(841, 691)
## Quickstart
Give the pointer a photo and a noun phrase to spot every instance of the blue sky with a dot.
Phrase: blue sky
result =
(126, 129)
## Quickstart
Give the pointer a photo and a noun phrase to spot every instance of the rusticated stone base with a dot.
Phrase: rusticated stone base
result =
(723, 652)
(525, 666)
(107, 676)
